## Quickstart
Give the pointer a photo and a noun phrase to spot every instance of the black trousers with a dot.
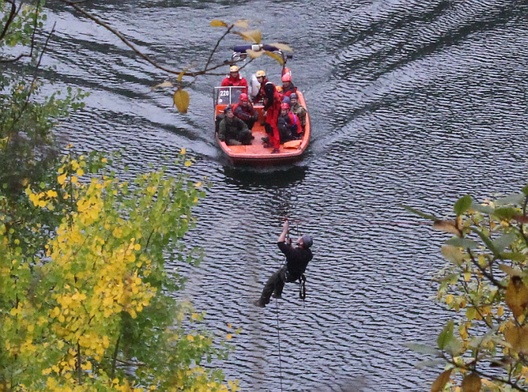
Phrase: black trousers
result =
(275, 284)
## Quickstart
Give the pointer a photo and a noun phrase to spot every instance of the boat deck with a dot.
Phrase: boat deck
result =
(256, 152)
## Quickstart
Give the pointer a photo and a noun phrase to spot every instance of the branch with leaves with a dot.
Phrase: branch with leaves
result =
(485, 282)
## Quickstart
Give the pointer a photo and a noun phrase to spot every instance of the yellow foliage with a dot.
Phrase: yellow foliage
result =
(181, 100)
(218, 23)
(516, 296)
(61, 179)
(441, 381)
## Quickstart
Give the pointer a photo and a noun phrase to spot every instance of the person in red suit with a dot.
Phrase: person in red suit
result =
(287, 85)
(272, 106)
(234, 79)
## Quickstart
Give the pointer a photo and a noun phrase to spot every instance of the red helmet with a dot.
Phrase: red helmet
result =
(244, 97)
(285, 106)
(286, 77)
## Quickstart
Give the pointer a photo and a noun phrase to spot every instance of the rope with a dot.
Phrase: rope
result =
(278, 338)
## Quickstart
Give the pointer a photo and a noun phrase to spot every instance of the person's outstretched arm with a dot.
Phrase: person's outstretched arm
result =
(285, 229)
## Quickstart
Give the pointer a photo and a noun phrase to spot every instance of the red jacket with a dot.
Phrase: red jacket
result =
(238, 81)
(294, 123)
(291, 89)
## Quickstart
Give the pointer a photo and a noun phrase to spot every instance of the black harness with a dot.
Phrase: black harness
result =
(302, 287)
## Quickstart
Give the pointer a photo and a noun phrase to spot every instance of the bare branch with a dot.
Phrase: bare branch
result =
(12, 14)
(207, 69)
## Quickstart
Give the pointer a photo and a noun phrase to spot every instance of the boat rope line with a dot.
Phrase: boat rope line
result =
(279, 341)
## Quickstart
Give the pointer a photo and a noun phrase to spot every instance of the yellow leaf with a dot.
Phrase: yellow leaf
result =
(516, 296)
(441, 381)
(453, 254)
(510, 270)
(218, 23)
(471, 383)
(51, 193)
(181, 100)
(282, 47)
(275, 56)
(180, 75)
(254, 54)
(183, 151)
(447, 226)
(471, 313)
(166, 83)
(242, 23)
(517, 337)
(250, 35)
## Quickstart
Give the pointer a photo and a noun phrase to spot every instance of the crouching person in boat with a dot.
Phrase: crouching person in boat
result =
(297, 259)
(232, 130)
(289, 124)
(245, 111)
(298, 109)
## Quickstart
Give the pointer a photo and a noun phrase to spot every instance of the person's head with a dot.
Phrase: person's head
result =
(233, 71)
(294, 98)
(305, 241)
(228, 111)
(269, 89)
(286, 79)
(286, 99)
(261, 75)
(285, 108)
(244, 99)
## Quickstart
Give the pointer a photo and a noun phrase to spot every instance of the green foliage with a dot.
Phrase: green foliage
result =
(93, 302)
(27, 146)
(485, 282)
(84, 301)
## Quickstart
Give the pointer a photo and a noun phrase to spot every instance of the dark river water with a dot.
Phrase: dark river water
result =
(412, 102)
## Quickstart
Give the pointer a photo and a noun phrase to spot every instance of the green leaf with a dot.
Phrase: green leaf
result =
(504, 241)
(455, 347)
(429, 363)
(463, 204)
(506, 213)
(462, 243)
(446, 336)
(419, 213)
(481, 208)
(487, 241)
(515, 198)
(423, 349)
(514, 256)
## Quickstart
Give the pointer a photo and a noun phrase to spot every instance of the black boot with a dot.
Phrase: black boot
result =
(259, 303)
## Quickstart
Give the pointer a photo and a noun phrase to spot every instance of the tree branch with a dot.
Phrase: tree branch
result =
(126, 41)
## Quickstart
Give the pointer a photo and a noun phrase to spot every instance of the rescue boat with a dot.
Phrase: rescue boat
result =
(257, 153)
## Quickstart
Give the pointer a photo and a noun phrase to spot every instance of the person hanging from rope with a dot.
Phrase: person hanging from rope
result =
(297, 258)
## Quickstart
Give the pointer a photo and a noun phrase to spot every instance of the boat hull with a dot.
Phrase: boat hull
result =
(257, 154)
